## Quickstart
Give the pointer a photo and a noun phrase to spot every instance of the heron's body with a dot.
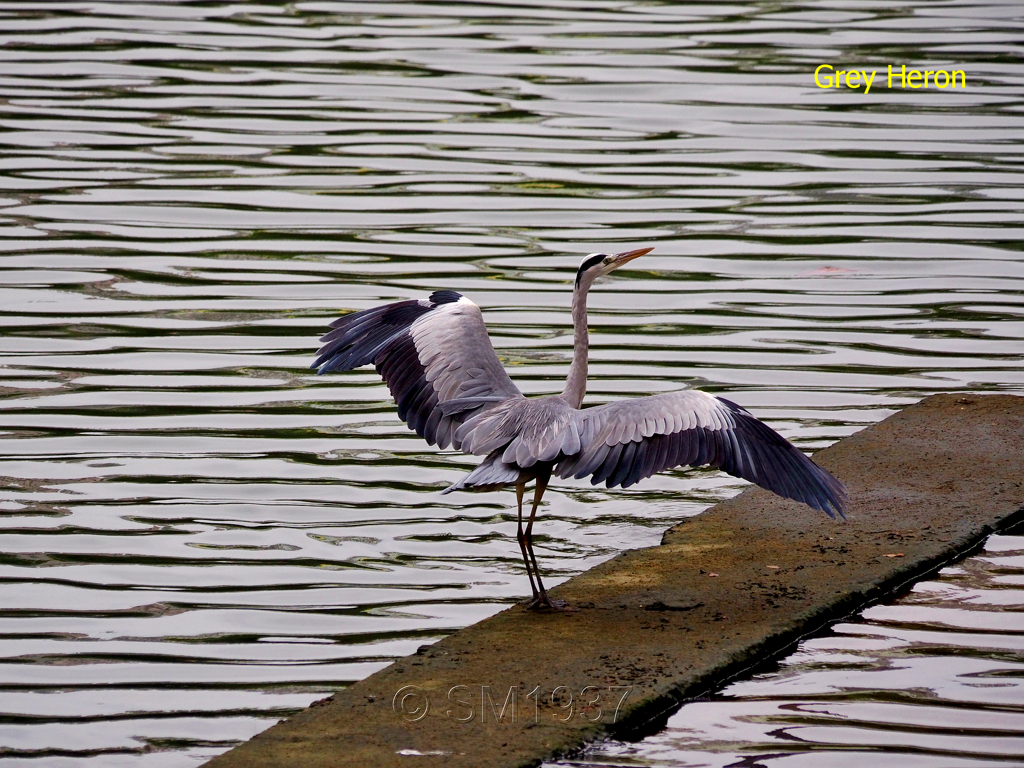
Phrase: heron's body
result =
(451, 389)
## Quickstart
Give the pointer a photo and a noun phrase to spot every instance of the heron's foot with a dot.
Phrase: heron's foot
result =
(545, 603)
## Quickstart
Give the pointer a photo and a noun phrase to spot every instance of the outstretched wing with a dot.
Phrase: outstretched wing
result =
(625, 441)
(434, 354)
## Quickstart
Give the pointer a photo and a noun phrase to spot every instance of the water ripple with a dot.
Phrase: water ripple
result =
(198, 535)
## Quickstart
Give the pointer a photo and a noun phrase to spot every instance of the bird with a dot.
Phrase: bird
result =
(451, 388)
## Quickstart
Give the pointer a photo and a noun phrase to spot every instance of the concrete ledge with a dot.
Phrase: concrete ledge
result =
(657, 626)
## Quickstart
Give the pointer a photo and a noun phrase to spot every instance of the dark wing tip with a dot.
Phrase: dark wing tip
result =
(782, 468)
(835, 495)
(358, 337)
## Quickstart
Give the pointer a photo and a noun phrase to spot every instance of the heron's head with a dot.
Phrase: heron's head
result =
(597, 264)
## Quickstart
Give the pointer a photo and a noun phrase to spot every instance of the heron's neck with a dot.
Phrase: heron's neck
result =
(576, 383)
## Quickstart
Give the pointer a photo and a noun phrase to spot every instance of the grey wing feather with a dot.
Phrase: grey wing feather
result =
(490, 475)
(435, 356)
(625, 441)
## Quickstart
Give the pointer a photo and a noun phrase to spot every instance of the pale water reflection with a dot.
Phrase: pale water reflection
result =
(199, 535)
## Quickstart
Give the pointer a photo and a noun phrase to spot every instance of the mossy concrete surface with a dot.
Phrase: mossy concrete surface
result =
(654, 627)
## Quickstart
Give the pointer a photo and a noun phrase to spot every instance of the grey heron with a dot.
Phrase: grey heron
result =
(450, 387)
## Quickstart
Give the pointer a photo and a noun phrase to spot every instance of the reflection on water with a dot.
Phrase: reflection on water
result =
(199, 536)
(931, 679)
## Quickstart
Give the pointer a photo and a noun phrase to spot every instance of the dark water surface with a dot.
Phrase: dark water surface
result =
(198, 536)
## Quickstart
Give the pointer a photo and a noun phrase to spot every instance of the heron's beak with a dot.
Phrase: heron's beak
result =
(627, 256)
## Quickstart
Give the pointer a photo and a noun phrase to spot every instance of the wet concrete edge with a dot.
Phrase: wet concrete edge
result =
(724, 592)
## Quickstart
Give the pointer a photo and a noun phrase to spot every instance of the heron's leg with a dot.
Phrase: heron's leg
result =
(541, 600)
(538, 492)
(520, 490)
